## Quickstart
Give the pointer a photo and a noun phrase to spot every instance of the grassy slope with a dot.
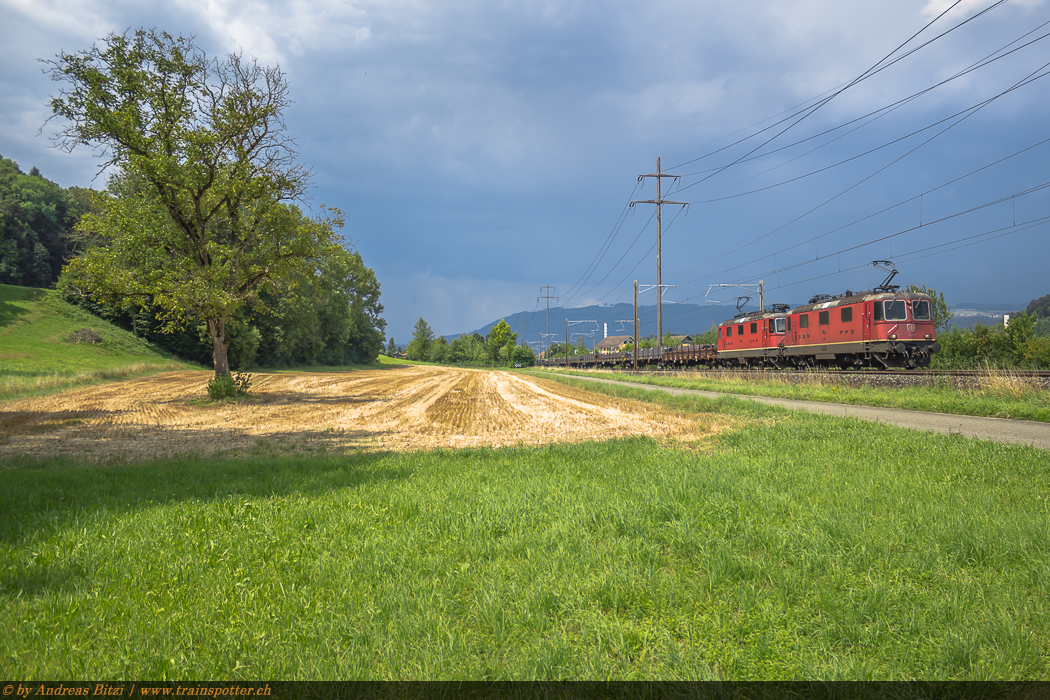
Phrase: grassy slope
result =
(798, 546)
(35, 354)
(1007, 397)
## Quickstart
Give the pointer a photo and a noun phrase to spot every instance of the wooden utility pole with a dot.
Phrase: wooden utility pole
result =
(548, 297)
(659, 201)
(636, 325)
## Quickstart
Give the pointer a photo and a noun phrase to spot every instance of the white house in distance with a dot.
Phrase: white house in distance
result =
(612, 343)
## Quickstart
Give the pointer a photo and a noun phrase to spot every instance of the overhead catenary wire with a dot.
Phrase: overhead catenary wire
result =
(863, 76)
(911, 256)
(866, 217)
(880, 239)
(797, 116)
(877, 113)
(593, 266)
(969, 112)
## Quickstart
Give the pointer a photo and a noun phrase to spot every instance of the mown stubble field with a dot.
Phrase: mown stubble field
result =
(399, 409)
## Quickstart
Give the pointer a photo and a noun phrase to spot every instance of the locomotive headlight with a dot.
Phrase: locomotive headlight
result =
(893, 337)
(928, 336)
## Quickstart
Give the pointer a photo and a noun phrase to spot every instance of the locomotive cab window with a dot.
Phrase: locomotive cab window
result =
(896, 310)
(729, 331)
(776, 325)
(754, 328)
(780, 325)
(788, 319)
(920, 310)
(824, 318)
(847, 314)
(803, 321)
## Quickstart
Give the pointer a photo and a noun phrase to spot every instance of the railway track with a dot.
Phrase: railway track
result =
(1020, 374)
(1011, 380)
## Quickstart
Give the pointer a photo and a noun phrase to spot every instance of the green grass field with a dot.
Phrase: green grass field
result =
(798, 546)
(37, 352)
(793, 546)
(1005, 396)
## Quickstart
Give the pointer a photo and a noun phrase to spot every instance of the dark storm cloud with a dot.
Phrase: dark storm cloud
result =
(482, 149)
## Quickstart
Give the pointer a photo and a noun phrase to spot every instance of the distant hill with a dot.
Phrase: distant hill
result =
(679, 319)
(969, 313)
(991, 309)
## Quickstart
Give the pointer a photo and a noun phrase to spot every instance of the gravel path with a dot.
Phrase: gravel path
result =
(997, 429)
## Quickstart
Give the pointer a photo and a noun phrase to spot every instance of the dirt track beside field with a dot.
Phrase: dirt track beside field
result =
(402, 408)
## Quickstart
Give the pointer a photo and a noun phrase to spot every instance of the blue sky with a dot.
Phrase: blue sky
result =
(481, 150)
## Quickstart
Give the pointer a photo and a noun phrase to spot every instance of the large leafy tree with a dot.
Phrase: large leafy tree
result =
(195, 221)
(422, 341)
(328, 316)
(498, 338)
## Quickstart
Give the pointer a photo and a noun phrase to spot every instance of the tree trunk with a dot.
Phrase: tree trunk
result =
(217, 331)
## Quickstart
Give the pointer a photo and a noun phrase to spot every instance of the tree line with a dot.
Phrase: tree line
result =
(195, 244)
(497, 349)
(37, 221)
(1024, 342)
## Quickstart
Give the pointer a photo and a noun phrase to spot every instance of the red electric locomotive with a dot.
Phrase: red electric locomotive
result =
(754, 339)
(883, 328)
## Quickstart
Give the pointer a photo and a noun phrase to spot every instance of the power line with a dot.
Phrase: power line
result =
(600, 255)
(884, 111)
(979, 207)
(863, 76)
(1031, 77)
(983, 62)
(876, 213)
(796, 117)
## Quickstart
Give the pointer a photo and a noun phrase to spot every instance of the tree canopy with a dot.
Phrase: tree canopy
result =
(37, 218)
(196, 219)
(498, 338)
(422, 341)
(1040, 308)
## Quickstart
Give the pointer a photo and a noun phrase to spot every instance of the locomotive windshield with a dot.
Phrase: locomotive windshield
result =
(920, 310)
(896, 310)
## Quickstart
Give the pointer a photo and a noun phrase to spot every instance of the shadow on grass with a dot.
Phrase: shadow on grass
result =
(9, 313)
(39, 497)
(43, 495)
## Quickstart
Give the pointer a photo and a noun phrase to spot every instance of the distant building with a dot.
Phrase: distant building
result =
(613, 343)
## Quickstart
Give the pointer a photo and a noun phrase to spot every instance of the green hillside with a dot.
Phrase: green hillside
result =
(46, 343)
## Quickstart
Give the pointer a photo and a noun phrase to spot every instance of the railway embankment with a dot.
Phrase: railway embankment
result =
(966, 380)
(993, 394)
(997, 429)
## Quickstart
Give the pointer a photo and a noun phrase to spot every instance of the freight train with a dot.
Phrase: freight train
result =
(883, 329)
